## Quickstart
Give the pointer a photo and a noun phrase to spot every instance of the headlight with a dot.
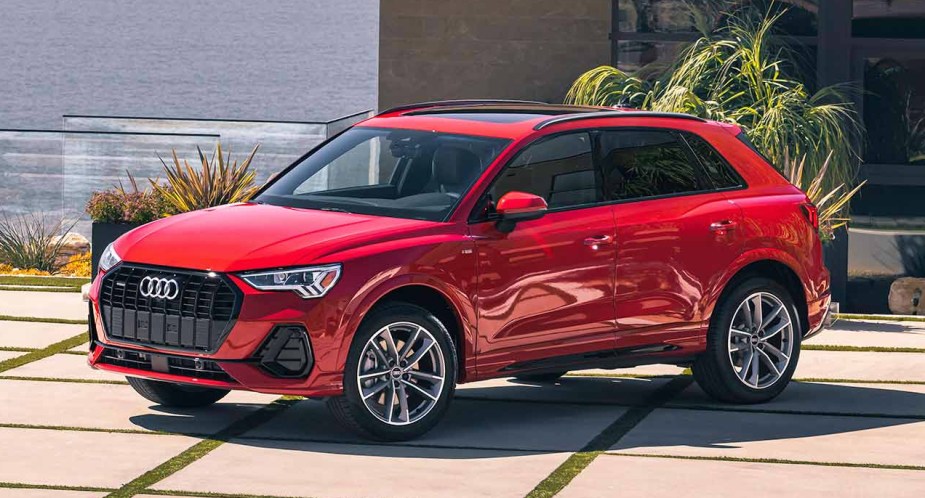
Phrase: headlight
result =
(310, 282)
(109, 258)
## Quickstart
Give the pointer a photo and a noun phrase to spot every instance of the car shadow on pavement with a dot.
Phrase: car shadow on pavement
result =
(512, 418)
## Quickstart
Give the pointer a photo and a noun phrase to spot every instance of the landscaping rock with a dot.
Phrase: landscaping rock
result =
(907, 296)
(74, 243)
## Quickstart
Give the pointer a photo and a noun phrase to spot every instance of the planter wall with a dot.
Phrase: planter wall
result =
(103, 234)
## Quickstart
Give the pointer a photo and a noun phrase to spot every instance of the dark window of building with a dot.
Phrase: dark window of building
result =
(717, 169)
(638, 164)
(798, 17)
(894, 110)
(559, 169)
(888, 19)
(653, 56)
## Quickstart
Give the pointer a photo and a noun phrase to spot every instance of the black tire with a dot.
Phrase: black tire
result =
(176, 395)
(541, 377)
(714, 371)
(350, 410)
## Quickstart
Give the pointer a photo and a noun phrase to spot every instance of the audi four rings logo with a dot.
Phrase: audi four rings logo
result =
(160, 288)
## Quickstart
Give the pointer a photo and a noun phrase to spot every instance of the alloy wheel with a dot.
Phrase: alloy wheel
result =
(761, 340)
(401, 373)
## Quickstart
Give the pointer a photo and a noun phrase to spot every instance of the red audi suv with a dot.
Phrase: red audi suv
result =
(451, 242)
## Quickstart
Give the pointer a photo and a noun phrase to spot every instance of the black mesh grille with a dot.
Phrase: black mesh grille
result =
(198, 318)
(176, 365)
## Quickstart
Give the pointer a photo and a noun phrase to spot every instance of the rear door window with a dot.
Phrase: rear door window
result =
(638, 164)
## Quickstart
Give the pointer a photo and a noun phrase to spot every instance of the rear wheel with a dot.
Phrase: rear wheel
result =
(753, 344)
(400, 375)
(176, 395)
(542, 377)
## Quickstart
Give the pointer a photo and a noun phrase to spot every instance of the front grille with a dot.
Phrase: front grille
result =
(176, 365)
(198, 318)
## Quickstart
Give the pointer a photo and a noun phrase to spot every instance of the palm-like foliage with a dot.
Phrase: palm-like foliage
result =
(737, 75)
(219, 181)
(830, 202)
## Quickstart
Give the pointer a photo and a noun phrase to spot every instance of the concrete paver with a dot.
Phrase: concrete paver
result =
(7, 355)
(78, 458)
(603, 390)
(641, 477)
(105, 406)
(36, 335)
(861, 366)
(327, 470)
(862, 440)
(43, 304)
(468, 424)
(904, 400)
(47, 493)
(62, 366)
(872, 333)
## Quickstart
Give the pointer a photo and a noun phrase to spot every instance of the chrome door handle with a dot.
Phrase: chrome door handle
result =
(598, 240)
(721, 227)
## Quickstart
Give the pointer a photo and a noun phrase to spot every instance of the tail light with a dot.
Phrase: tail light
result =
(811, 213)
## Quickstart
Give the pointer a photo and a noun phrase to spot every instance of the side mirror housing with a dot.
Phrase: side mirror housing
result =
(514, 207)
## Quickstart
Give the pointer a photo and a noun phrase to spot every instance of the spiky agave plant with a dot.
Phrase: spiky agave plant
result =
(219, 181)
(31, 241)
(737, 75)
(829, 201)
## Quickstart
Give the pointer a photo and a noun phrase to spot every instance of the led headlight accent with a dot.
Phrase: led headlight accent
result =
(109, 258)
(309, 283)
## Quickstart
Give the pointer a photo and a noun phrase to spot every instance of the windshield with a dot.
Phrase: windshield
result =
(389, 172)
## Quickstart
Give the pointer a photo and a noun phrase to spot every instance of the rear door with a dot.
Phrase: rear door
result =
(675, 233)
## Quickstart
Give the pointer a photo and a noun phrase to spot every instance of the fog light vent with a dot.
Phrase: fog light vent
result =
(286, 352)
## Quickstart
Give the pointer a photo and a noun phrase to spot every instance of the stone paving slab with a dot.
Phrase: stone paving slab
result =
(872, 334)
(862, 440)
(63, 366)
(641, 477)
(104, 406)
(43, 304)
(602, 390)
(47, 493)
(468, 424)
(79, 458)
(904, 400)
(7, 355)
(325, 470)
(36, 335)
(861, 366)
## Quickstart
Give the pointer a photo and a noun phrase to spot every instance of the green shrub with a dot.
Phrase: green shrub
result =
(118, 205)
(32, 242)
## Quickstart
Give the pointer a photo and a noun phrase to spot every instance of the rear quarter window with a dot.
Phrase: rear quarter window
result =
(717, 169)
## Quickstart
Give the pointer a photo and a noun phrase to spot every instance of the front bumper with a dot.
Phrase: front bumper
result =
(240, 361)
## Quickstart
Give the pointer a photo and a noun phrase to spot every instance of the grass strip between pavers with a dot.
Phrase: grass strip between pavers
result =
(775, 461)
(53, 487)
(883, 318)
(63, 379)
(77, 428)
(69, 321)
(207, 494)
(39, 289)
(17, 350)
(577, 462)
(43, 281)
(140, 484)
(859, 349)
(54, 349)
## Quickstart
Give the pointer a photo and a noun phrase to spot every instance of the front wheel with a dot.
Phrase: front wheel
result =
(753, 344)
(400, 375)
(176, 395)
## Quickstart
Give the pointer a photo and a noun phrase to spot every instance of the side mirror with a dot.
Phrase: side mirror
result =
(518, 206)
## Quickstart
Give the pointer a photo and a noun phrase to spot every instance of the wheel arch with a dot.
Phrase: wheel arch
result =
(449, 307)
(774, 269)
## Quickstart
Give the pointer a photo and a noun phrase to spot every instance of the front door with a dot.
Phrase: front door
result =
(546, 288)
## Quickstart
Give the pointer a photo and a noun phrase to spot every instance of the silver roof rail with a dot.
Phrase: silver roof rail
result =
(465, 102)
(614, 114)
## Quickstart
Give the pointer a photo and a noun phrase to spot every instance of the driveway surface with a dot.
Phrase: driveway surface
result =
(853, 424)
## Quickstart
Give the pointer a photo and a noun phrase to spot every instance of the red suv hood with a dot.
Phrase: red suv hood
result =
(255, 236)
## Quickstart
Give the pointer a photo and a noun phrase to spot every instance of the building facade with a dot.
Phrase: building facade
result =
(534, 49)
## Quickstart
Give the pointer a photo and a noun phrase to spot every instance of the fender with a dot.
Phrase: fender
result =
(386, 282)
(746, 258)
